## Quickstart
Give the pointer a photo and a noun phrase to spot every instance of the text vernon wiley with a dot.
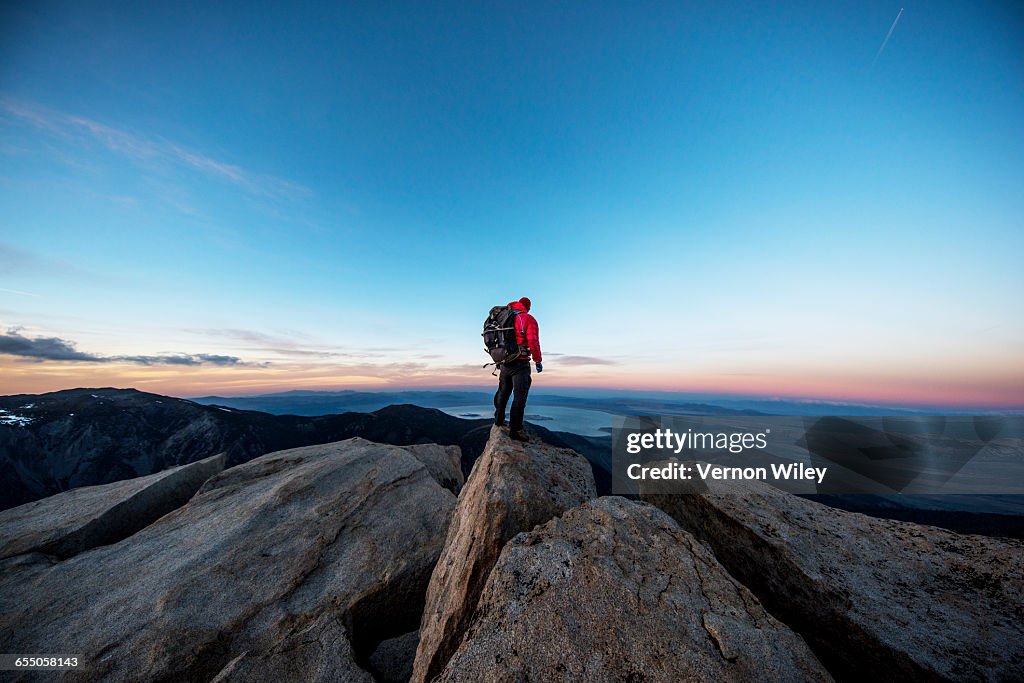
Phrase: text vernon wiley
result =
(735, 442)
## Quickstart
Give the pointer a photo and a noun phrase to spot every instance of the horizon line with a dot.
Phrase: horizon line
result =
(677, 394)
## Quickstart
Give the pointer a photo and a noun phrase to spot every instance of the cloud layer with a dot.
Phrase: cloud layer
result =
(581, 360)
(56, 349)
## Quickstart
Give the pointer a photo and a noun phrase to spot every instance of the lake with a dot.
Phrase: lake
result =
(555, 418)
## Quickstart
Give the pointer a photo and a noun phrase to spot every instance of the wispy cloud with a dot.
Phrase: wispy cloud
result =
(284, 345)
(250, 336)
(141, 149)
(41, 349)
(183, 359)
(260, 184)
(18, 292)
(582, 360)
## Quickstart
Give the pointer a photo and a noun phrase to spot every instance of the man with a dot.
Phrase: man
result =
(515, 375)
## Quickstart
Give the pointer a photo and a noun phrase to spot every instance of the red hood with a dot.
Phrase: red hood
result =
(526, 330)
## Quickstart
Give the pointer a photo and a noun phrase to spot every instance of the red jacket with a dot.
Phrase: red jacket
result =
(527, 332)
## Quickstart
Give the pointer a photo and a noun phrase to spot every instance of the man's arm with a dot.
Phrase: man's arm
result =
(533, 339)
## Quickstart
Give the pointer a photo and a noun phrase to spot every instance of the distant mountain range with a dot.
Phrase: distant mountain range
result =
(327, 402)
(614, 403)
(79, 437)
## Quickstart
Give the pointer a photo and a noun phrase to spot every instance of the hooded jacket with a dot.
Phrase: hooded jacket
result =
(527, 332)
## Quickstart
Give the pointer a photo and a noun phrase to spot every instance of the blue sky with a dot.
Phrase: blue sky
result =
(714, 197)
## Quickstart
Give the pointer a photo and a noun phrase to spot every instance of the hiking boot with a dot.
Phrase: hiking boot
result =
(499, 423)
(518, 435)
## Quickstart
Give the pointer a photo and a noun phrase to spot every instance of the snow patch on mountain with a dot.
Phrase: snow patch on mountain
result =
(7, 418)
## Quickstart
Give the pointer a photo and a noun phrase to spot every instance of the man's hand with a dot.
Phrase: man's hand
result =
(540, 367)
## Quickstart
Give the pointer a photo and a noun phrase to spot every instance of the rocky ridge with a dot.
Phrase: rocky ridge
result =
(72, 522)
(615, 591)
(875, 598)
(292, 566)
(513, 487)
(356, 561)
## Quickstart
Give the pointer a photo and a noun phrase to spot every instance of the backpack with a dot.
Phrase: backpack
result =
(500, 335)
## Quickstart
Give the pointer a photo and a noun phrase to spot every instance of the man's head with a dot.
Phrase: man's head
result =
(525, 301)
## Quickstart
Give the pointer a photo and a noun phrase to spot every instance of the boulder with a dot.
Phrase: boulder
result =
(293, 566)
(513, 487)
(392, 661)
(875, 599)
(616, 591)
(71, 522)
(443, 462)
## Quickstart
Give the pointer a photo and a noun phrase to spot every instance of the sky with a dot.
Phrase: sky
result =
(795, 200)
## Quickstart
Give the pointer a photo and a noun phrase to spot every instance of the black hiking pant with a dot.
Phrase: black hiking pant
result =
(513, 378)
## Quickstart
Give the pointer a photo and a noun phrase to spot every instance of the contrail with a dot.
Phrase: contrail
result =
(887, 37)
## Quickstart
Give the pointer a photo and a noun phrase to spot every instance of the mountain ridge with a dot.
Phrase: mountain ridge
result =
(80, 437)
